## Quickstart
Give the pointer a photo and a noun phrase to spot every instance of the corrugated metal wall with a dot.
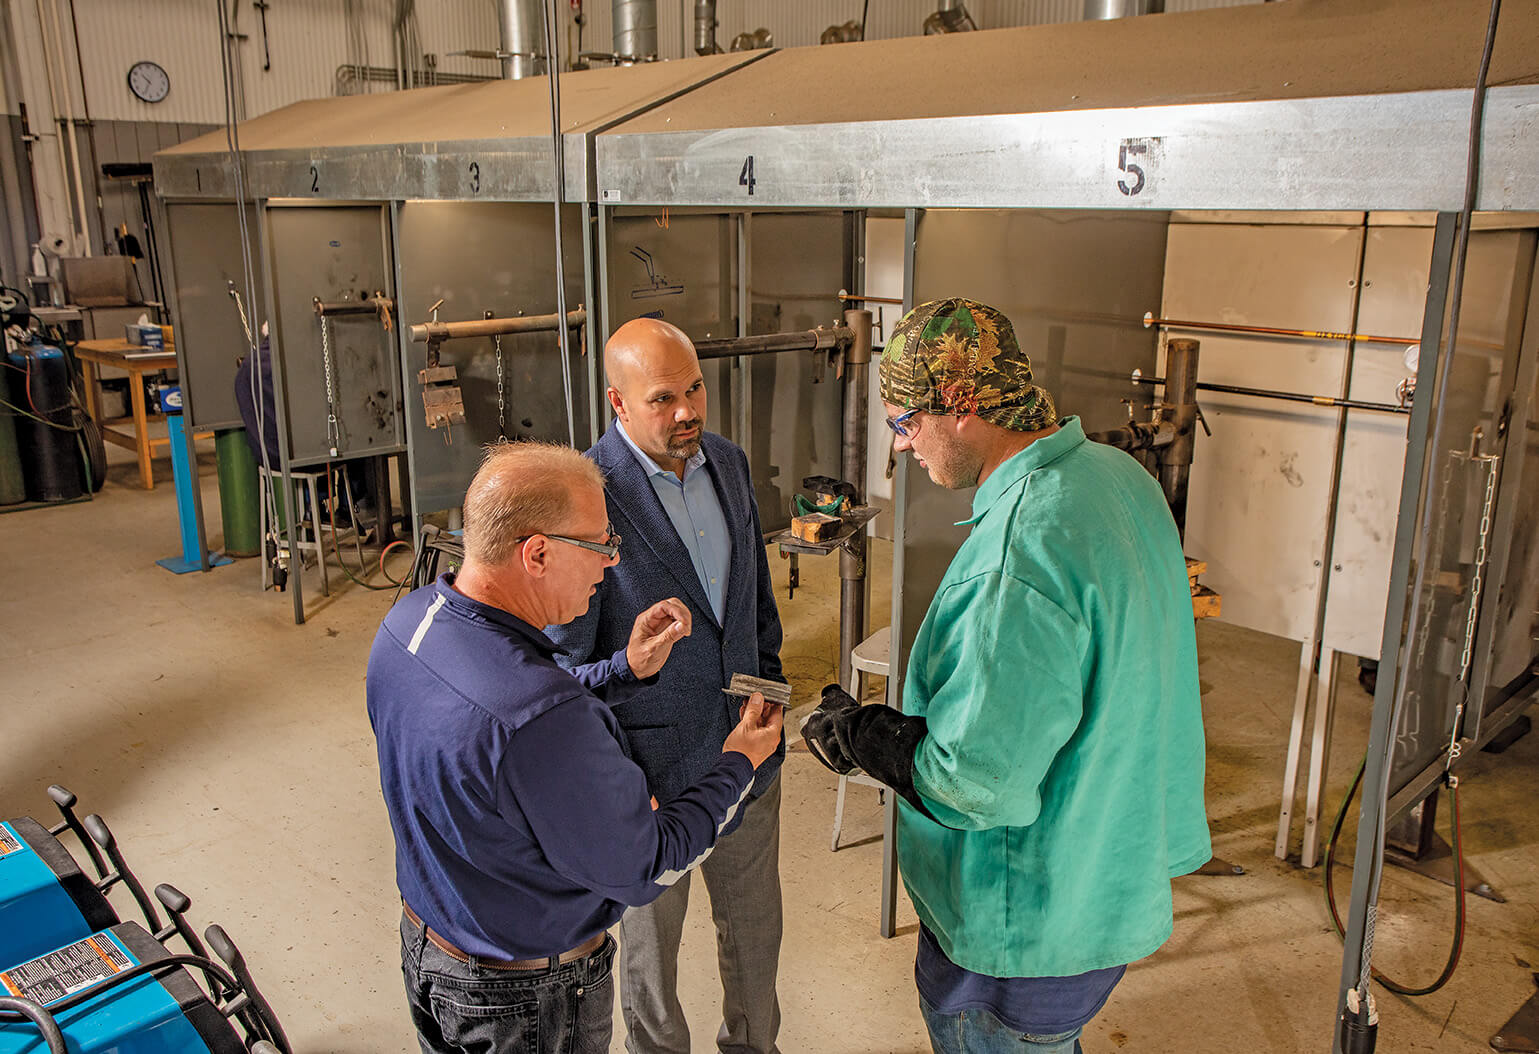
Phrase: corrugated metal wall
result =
(307, 40)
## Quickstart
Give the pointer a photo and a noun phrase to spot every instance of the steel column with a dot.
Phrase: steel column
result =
(1401, 608)
(897, 660)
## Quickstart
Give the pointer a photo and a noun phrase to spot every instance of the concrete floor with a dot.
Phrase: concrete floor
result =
(230, 752)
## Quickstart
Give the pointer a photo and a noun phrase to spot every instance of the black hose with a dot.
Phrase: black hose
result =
(44, 1021)
(1459, 910)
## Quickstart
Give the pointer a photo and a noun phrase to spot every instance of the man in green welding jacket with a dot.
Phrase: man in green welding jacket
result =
(1049, 751)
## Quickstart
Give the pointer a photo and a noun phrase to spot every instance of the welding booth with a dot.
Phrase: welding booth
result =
(1230, 240)
(1230, 172)
(413, 232)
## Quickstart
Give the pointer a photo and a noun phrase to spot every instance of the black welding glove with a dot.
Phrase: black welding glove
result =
(818, 729)
(882, 741)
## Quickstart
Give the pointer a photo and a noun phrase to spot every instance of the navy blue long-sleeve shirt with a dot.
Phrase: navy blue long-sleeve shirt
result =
(521, 827)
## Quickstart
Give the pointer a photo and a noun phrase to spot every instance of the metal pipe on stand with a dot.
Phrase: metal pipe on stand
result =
(853, 340)
(853, 584)
(1175, 459)
(435, 332)
(822, 339)
(1292, 397)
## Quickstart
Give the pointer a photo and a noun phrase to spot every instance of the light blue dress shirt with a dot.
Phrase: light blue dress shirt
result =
(695, 510)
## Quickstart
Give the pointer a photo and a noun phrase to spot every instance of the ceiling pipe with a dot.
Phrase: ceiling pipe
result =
(635, 31)
(1100, 10)
(522, 53)
(705, 28)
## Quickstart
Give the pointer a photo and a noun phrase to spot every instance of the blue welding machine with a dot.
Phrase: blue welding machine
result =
(120, 991)
(45, 899)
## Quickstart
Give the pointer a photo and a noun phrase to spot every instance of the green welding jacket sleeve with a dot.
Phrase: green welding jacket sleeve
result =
(997, 674)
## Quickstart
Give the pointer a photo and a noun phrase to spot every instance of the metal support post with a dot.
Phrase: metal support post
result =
(1390, 693)
(1181, 394)
(853, 586)
(899, 655)
(286, 478)
(742, 380)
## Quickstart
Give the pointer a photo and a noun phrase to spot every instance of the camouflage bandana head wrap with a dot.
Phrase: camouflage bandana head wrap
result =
(958, 356)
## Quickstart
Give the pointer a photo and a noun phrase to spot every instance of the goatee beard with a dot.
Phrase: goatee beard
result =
(686, 448)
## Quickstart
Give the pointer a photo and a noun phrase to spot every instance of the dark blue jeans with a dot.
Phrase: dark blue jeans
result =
(459, 1007)
(980, 1032)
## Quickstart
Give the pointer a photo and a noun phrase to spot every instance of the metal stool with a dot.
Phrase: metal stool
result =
(269, 481)
(869, 656)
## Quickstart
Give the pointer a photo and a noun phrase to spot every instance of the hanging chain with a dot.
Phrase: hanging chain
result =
(245, 323)
(333, 430)
(1477, 586)
(1478, 581)
(501, 403)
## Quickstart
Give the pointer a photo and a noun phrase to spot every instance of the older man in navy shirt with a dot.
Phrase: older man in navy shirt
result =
(682, 497)
(522, 830)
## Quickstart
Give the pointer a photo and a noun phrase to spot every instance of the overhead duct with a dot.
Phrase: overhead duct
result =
(1106, 9)
(951, 17)
(843, 34)
(705, 28)
(635, 30)
(758, 40)
(522, 50)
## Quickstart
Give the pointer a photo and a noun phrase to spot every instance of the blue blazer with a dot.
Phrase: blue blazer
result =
(675, 727)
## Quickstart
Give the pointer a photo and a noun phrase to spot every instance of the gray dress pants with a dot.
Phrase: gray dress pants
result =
(742, 878)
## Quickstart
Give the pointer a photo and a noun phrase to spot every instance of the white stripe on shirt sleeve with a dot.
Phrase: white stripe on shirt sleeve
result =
(422, 627)
(668, 878)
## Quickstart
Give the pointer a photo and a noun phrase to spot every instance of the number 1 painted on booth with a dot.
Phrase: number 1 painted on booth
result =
(745, 177)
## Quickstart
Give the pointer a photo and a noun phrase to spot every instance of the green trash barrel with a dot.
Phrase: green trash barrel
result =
(13, 486)
(238, 493)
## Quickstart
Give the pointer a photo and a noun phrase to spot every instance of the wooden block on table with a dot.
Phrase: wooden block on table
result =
(1206, 603)
(815, 526)
(1195, 567)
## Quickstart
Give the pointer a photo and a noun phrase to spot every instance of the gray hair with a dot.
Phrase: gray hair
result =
(522, 488)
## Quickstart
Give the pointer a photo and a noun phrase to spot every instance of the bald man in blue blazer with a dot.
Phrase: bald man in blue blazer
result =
(683, 504)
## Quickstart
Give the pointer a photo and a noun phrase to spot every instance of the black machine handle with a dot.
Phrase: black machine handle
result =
(176, 904)
(44, 1021)
(253, 998)
(65, 800)
(120, 872)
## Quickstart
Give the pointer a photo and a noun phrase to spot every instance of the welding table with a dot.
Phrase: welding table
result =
(136, 361)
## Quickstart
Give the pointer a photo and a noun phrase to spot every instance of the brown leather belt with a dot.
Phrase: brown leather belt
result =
(587, 947)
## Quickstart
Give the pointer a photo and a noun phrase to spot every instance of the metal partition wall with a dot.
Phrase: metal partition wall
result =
(699, 270)
(1468, 594)
(203, 251)
(480, 257)
(338, 378)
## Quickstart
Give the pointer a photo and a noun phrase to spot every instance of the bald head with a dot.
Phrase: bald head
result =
(657, 390)
(640, 343)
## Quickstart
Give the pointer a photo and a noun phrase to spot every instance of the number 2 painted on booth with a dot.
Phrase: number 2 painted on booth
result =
(745, 177)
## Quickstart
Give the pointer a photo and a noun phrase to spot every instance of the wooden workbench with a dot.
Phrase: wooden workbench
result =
(136, 361)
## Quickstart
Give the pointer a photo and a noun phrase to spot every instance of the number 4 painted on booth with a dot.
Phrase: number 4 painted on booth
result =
(745, 177)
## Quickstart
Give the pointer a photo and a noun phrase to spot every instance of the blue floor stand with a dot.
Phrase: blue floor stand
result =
(186, 512)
